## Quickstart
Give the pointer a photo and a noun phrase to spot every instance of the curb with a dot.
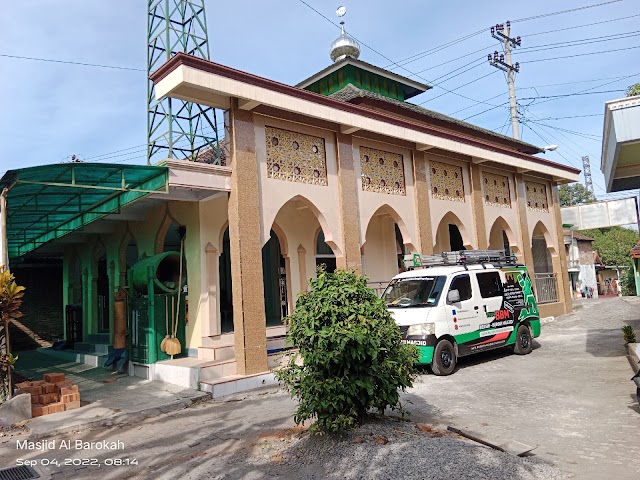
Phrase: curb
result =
(121, 418)
(632, 356)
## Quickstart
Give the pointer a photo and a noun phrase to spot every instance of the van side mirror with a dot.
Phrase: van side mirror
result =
(453, 296)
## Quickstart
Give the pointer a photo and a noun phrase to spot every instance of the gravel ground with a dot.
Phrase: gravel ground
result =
(381, 449)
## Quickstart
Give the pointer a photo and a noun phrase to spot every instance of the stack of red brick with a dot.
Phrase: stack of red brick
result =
(54, 394)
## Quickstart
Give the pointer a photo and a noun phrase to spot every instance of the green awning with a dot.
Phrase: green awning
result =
(49, 201)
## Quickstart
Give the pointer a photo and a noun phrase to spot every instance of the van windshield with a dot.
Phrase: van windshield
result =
(413, 292)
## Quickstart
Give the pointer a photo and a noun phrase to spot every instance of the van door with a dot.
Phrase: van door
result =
(491, 292)
(463, 315)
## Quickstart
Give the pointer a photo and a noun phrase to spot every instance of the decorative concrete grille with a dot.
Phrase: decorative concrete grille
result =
(496, 190)
(295, 157)
(536, 197)
(382, 172)
(446, 182)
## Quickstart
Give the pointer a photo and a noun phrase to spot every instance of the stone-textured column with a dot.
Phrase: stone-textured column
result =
(302, 267)
(348, 203)
(245, 236)
(423, 211)
(562, 273)
(478, 207)
(521, 202)
(211, 325)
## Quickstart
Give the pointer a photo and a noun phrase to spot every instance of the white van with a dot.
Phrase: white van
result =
(462, 303)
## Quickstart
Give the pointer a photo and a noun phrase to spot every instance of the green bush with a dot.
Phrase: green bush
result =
(629, 334)
(628, 283)
(353, 358)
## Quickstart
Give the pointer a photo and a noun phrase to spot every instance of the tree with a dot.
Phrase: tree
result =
(613, 244)
(633, 90)
(575, 194)
(352, 352)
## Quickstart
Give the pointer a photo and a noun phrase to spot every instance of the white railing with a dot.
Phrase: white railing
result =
(546, 288)
(378, 287)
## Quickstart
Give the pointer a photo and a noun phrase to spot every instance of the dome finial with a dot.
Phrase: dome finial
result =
(343, 46)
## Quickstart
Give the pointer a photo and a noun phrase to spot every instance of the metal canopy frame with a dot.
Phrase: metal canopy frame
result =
(49, 201)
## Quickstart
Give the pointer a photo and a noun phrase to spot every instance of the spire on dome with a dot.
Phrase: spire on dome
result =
(345, 45)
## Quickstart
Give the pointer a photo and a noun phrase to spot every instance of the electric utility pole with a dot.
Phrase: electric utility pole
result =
(586, 170)
(503, 62)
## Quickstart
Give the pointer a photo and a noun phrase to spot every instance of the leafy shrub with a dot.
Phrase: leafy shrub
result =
(10, 300)
(629, 334)
(352, 352)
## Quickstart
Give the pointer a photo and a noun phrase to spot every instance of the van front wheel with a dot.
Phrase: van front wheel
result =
(444, 358)
(524, 342)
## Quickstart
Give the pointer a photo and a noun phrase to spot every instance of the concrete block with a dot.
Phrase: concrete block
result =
(72, 405)
(56, 407)
(54, 377)
(37, 410)
(16, 409)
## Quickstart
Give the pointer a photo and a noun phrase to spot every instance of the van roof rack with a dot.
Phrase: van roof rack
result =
(497, 258)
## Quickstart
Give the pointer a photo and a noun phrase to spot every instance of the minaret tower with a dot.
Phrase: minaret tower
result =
(178, 129)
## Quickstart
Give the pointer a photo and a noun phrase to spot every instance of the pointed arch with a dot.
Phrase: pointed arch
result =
(167, 221)
(495, 240)
(541, 230)
(329, 235)
(442, 237)
(386, 209)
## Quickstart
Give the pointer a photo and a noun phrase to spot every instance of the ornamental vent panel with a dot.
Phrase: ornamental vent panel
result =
(295, 157)
(536, 197)
(496, 190)
(446, 182)
(382, 172)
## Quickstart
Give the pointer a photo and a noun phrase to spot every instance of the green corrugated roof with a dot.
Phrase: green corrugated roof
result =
(49, 201)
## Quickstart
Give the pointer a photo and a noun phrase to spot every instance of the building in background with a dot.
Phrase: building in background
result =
(581, 264)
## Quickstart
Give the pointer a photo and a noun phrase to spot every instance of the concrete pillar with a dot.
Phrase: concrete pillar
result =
(348, 203)
(423, 211)
(478, 207)
(246, 246)
(564, 286)
(302, 267)
(525, 256)
(210, 325)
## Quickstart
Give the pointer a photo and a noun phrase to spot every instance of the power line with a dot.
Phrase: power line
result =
(574, 116)
(570, 94)
(564, 11)
(580, 55)
(578, 42)
(580, 26)
(69, 62)
(463, 85)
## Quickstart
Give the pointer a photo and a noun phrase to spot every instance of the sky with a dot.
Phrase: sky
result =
(53, 110)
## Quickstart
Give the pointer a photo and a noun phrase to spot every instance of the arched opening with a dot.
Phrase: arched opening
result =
(540, 250)
(226, 285)
(102, 289)
(499, 237)
(324, 254)
(451, 235)
(384, 247)
(274, 276)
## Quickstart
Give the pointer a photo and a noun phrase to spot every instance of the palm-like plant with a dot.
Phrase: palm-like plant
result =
(10, 301)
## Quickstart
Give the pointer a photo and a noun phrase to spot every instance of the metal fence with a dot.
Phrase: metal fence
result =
(546, 288)
(378, 287)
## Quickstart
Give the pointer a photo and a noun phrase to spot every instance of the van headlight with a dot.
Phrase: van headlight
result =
(421, 329)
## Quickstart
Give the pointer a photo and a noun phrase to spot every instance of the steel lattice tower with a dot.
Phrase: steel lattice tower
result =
(175, 128)
(586, 170)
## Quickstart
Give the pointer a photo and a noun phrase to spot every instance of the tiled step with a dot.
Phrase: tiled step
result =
(231, 384)
(98, 348)
(217, 353)
(218, 370)
(90, 359)
(99, 338)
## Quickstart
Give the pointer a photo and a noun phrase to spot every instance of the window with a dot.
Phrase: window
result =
(490, 284)
(462, 283)
(413, 292)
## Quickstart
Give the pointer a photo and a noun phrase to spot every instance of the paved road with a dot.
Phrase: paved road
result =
(571, 397)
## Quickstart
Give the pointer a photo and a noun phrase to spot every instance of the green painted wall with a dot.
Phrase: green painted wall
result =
(350, 74)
